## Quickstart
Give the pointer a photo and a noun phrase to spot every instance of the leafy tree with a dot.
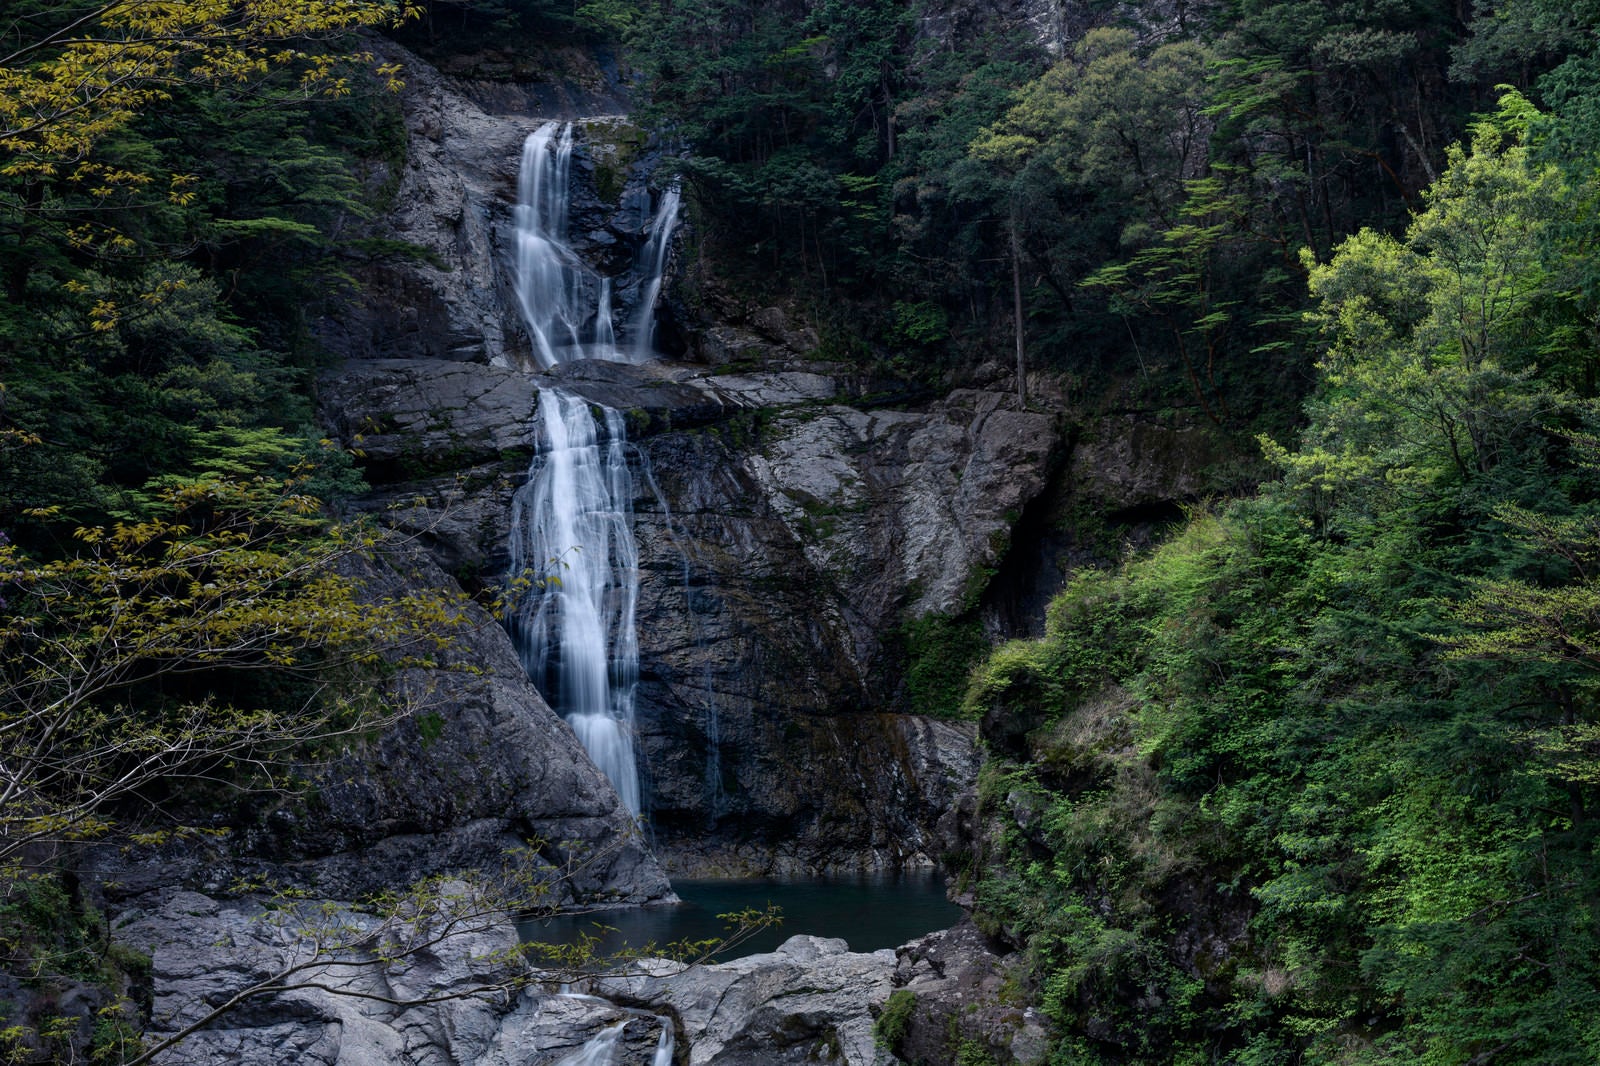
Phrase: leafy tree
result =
(1125, 137)
(72, 79)
(1433, 342)
(126, 664)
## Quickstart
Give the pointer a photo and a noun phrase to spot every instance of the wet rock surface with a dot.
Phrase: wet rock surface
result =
(811, 1001)
(478, 774)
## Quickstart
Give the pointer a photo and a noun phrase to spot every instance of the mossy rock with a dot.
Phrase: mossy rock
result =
(614, 145)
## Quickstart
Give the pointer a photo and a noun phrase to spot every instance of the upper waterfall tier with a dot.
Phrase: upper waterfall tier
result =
(566, 303)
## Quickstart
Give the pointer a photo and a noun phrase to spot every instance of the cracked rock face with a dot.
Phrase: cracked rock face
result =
(786, 549)
(453, 194)
(349, 990)
(811, 1001)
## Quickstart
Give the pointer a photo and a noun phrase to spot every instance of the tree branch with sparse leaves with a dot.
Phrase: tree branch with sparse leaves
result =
(122, 666)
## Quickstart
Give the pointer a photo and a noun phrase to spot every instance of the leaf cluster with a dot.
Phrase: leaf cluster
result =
(1315, 780)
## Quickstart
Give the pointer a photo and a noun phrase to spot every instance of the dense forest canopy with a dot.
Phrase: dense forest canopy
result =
(1314, 781)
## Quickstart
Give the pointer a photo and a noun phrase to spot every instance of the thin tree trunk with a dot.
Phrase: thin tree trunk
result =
(1016, 311)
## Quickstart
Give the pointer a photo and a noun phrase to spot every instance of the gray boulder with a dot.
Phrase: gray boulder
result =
(811, 1001)
(962, 992)
(319, 983)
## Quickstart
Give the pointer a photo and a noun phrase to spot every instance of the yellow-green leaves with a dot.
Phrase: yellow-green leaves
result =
(62, 93)
(123, 663)
(1432, 342)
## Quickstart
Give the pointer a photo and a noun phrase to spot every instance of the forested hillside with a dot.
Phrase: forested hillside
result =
(1134, 181)
(1313, 780)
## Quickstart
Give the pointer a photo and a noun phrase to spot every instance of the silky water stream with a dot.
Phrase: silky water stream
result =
(572, 523)
(572, 546)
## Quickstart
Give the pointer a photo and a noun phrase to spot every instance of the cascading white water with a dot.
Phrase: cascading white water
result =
(605, 335)
(571, 532)
(565, 304)
(666, 1045)
(601, 1050)
(551, 279)
(571, 521)
(654, 261)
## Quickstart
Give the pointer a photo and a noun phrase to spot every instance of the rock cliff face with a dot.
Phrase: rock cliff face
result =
(478, 775)
(782, 533)
(791, 521)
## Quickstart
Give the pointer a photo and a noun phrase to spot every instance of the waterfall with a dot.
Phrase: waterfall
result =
(654, 263)
(571, 523)
(571, 532)
(551, 279)
(566, 304)
(605, 336)
(599, 1051)
(666, 1046)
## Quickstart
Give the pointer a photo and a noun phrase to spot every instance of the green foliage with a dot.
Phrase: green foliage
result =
(43, 934)
(430, 727)
(940, 654)
(894, 1021)
(156, 333)
(919, 323)
(130, 665)
(1314, 781)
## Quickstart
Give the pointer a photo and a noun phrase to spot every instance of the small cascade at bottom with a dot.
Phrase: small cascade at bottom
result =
(666, 1047)
(572, 538)
(600, 1051)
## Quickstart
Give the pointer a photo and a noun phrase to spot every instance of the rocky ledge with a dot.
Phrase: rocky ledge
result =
(439, 979)
(478, 772)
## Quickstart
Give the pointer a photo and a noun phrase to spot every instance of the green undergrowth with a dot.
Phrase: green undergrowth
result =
(1265, 817)
(1315, 781)
(941, 653)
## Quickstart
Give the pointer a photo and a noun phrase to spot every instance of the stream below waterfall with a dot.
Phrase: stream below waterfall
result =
(870, 912)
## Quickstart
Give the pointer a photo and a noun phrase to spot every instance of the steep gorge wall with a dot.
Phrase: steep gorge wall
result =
(790, 519)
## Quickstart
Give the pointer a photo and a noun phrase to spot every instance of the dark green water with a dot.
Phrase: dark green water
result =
(871, 912)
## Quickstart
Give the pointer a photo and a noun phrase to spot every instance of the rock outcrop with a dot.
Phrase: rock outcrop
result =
(811, 1001)
(956, 993)
(449, 203)
(340, 987)
(440, 980)
(478, 774)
